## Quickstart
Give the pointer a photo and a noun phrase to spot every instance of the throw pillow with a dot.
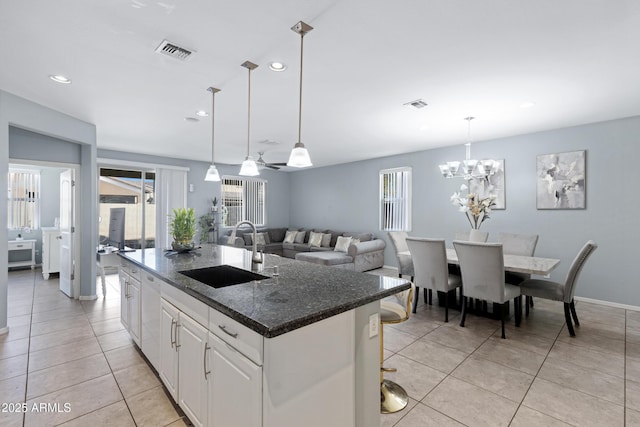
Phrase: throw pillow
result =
(326, 240)
(300, 236)
(342, 244)
(290, 236)
(354, 241)
(260, 239)
(315, 239)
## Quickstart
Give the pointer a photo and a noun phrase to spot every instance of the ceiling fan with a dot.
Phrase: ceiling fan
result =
(261, 163)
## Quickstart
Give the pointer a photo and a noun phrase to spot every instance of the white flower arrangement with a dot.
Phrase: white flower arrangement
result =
(477, 210)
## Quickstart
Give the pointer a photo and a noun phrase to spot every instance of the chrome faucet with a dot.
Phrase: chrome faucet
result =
(255, 258)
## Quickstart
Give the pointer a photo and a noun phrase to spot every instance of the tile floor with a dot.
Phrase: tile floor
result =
(64, 351)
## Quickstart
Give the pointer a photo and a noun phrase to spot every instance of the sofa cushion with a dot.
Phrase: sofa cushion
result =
(277, 234)
(300, 236)
(290, 236)
(325, 258)
(334, 237)
(315, 239)
(363, 237)
(326, 240)
(342, 244)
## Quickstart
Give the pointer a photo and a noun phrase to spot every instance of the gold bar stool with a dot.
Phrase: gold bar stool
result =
(396, 309)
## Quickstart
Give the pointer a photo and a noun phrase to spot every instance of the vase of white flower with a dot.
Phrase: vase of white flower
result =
(476, 210)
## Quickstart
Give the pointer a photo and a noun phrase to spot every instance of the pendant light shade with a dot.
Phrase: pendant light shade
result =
(249, 166)
(212, 172)
(299, 157)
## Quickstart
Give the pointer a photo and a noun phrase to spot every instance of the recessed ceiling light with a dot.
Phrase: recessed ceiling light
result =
(191, 119)
(60, 79)
(277, 66)
(527, 104)
(202, 113)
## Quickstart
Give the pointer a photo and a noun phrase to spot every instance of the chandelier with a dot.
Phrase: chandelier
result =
(469, 168)
(212, 172)
(249, 166)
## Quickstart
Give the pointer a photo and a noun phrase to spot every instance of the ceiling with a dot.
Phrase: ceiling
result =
(577, 60)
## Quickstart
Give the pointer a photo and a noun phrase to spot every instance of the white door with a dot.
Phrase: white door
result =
(192, 376)
(67, 220)
(134, 309)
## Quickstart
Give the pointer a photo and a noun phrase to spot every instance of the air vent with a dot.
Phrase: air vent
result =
(417, 104)
(268, 142)
(174, 51)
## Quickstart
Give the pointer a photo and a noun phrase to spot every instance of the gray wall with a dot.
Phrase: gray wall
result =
(24, 144)
(345, 197)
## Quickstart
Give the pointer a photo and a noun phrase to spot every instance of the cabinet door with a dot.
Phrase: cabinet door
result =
(192, 374)
(134, 309)
(168, 349)
(235, 387)
(150, 318)
(124, 299)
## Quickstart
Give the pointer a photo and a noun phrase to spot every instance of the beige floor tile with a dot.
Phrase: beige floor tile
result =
(136, 379)
(124, 357)
(15, 333)
(595, 383)
(572, 406)
(632, 369)
(499, 379)
(82, 399)
(390, 420)
(462, 339)
(41, 305)
(152, 408)
(469, 404)
(18, 309)
(633, 394)
(13, 348)
(387, 354)
(590, 359)
(521, 338)
(503, 352)
(527, 417)
(416, 378)
(107, 326)
(62, 313)
(60, 337)
(423, 416)
(12, 389)
(25, 319)
(63, 353)
(632, 418)
(477, 324)
(102, 315)
(13, 366)
(114, 340)
(11, 419)
(116, 414)
(43, 328)
(437, 356)
(67, 374)
(396, 340)
(182, 422)
(418, 327)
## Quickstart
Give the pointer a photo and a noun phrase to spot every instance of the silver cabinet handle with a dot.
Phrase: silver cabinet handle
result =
(177, 336)
(149, 278)
(173, 341)
(59, 237)
(204, 360)
(231, 334)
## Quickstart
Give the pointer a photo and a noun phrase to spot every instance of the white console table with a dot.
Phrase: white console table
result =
(23, 245)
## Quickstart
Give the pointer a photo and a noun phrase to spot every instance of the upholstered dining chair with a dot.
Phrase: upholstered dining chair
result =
(394, 309)
(431, 269)
(482, 267)
(399, 242)
(564, 292)
(519, 244)
(478, 236)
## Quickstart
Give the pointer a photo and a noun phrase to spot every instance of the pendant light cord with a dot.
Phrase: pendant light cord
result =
(249, 118)
(300, 98)
(213, 115)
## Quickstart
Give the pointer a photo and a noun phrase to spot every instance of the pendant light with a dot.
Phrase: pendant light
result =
(249, 166)
(299, 157)
(212, 173)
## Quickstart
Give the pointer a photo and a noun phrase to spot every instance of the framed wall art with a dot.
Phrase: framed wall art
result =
(493, 184)
(561, 180)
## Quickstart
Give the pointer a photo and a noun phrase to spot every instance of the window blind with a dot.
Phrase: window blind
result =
(23, 201)
(244, 200)
(395, 199)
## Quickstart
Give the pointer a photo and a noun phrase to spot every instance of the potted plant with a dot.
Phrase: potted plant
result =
(183, 228)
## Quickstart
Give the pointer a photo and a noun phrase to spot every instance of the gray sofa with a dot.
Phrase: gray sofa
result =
(366, 254)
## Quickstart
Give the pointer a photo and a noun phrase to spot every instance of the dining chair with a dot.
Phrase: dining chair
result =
(564, 292)
(482, 267)
(394, 309)
(399, 242)
(431, 269)
(475, 236)
(518, 244)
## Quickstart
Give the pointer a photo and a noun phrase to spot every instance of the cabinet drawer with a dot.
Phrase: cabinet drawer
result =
(18, 246)
(131, 269)
(243, 339)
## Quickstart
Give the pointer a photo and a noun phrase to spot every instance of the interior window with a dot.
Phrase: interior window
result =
(395, 199)
(243, 199)
(23, 202)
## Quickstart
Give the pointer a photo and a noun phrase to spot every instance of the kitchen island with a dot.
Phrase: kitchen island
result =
(298, 346)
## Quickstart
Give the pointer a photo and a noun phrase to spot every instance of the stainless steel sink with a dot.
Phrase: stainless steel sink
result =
(222, 275)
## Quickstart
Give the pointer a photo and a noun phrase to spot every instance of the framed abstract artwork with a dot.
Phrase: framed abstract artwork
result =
(494, 184)
(561, 180)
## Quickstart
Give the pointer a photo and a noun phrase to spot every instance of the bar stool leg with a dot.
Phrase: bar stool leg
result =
(393, 397)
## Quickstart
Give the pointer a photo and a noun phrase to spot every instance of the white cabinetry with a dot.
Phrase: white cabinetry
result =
(130, 299)
(168, 347)
(150, 314)
(50, 251)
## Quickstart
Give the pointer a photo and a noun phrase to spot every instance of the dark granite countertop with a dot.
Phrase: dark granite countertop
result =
(302, 293)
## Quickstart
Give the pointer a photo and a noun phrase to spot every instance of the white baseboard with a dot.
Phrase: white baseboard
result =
(4, 330)
(88, 297)
(608, 303)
